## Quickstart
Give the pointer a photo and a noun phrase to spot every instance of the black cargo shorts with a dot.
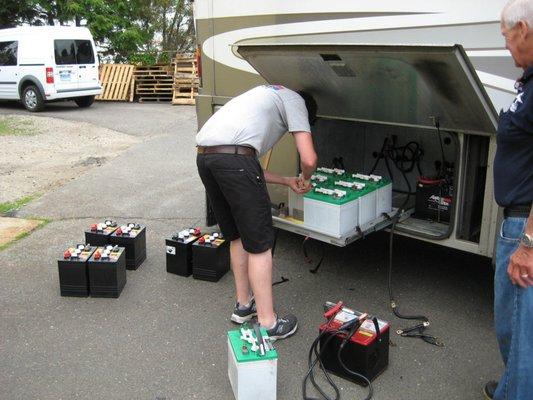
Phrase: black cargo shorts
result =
(236, 187)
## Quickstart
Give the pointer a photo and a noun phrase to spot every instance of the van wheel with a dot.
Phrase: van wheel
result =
(32, 99)
(84, 101)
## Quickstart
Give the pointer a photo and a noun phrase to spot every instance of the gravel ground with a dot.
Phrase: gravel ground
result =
(44, 153)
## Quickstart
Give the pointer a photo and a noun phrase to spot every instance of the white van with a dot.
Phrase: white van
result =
(46, 63)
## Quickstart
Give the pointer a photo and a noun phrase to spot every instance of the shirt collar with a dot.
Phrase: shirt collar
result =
(528, 73)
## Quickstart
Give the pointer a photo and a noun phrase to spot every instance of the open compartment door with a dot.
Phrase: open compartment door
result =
(398, 85)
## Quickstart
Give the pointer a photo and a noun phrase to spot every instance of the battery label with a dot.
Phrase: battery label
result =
(171, 250)
(344, 317)
(368, 326)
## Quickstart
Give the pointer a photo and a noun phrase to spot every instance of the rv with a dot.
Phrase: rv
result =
(39, 64)
(407, 90)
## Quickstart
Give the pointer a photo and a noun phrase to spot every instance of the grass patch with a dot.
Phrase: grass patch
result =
(15, 205)
(10, 126)
(43, 222)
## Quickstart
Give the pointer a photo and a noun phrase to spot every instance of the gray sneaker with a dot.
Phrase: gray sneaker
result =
(240, 315)
(284, 328)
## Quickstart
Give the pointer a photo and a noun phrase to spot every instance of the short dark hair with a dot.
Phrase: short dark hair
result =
(310, 104)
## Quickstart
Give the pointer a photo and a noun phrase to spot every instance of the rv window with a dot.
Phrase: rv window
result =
(84, 52)
(65, 52)
(8, 53)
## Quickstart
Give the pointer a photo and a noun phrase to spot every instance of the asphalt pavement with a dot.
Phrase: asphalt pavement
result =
(165, 337)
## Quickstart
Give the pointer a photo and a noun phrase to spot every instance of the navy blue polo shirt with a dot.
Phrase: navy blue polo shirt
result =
(513, 164)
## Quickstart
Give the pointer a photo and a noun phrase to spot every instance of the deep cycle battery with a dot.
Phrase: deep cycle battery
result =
(210, 257)
(366, 352)
(433, 199)
(133, 238)
(73, 273)
(98, 234)
(179, 251)
(107, 271)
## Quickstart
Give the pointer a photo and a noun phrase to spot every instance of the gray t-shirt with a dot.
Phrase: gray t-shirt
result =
(257, 118)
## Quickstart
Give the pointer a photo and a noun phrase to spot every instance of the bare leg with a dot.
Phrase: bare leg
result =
(239, 266)
(260, 273)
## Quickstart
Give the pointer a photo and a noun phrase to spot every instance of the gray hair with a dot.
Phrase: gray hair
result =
(517, 10)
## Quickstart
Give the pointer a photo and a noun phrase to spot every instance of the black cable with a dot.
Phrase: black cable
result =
(311, 365)
(353, 326)
(355, 374)
(308, 259)
(416, 331)
(439, 134)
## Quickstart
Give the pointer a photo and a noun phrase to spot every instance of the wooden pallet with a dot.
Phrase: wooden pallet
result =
(117, 82)
(185, 81)
(153, 83)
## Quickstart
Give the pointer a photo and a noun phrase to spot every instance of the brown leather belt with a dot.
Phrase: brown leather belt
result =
(520, 211)
(227, 149)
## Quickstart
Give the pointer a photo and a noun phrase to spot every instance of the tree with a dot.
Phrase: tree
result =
(172, 19)
(121, 28)
(16, 12)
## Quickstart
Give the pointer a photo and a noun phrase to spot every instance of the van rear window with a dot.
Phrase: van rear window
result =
(84, 53)
(65, 52)
(8, 53)
(73, 52)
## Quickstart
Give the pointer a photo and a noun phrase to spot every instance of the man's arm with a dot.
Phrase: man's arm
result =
(520, 267)
(291, 181)
(306, 150)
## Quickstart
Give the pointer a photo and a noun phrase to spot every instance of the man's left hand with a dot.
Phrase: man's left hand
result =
(520, 269)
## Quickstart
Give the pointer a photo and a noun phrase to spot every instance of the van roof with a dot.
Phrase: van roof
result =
(47, 29)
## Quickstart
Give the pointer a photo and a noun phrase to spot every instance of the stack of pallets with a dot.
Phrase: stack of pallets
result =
(185, 80)
(153, 82)
(117, 82)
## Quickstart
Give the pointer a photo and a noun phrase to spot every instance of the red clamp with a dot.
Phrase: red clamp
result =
(97, 255)
(66, 254)
(118, 231)
(197, 232)
(201, 240)
(334, 310)
(94, 227)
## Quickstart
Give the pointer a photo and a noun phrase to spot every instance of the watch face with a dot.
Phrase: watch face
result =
(526, 240)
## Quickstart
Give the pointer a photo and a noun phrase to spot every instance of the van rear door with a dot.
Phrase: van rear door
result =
(8, 69)
(87, 65)
(387, 84)
(66, 68)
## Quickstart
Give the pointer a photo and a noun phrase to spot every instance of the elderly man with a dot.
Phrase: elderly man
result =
(228, 146)
(513, 189)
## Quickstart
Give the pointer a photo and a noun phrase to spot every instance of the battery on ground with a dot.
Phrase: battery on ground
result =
(132, 237)
(179, 251)
(251, 375)
(365, 352)
(98, 233)
(73, 273)
(107, 271)
(210, 257)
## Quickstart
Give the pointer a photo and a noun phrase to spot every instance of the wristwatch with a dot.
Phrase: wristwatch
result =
(526, 240)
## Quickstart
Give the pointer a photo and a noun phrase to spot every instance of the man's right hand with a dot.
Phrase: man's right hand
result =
(297, 184)
(304, 184)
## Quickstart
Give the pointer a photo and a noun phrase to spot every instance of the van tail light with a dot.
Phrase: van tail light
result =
(49, 75)
(199, 62)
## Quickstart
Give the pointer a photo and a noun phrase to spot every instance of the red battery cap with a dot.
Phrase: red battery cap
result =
(97, 255)
(66, 254)
(197, 232)
(93, 227)
(201, 240)
(118, 231)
